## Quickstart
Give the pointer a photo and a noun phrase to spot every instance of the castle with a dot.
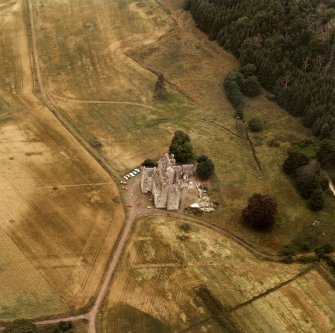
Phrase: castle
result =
(163, 181)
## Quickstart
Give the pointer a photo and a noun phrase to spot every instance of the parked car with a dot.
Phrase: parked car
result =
(123, 183)
(130, 206)
(138, 170)
(125, 177)
(131, 174)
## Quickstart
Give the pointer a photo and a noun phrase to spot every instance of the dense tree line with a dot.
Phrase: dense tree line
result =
(291, 45)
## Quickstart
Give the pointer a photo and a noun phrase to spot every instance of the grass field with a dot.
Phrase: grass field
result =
(60, 213)
(153, 290)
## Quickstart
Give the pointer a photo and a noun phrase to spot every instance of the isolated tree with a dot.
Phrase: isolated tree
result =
(181, 147)
(205, 169)
(294, 161)
(160, 86)
(260, 212)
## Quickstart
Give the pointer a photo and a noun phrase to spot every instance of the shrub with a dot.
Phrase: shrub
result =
(288, 260)
(305, 246)
(95, 143)
(294, 161)
(287, 251)
(316, 201)
(260, 212)
(255, 125)
(205, 169)
(149, 163)
(251, 87)
(185, 227)
(325, 249)
(307, 259)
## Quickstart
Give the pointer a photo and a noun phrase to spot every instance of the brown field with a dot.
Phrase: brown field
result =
(153, 288)
(60, 212)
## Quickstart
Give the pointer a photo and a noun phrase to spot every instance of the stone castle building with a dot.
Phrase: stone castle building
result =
(163, 181)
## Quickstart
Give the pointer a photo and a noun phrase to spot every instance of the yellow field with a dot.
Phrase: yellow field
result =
(154, 285)
(60, 212)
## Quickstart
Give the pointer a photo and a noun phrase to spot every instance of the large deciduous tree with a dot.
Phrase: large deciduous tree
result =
(260, 212)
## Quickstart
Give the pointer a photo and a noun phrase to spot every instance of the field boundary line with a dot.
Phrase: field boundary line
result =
(273, 289)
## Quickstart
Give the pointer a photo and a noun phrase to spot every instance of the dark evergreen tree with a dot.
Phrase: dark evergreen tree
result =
(160, 85)
(181, 147)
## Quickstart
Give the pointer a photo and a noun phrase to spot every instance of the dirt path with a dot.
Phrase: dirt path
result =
(103, 102)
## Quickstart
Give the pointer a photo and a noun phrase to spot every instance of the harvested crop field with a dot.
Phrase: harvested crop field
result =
(61, 212)
(162, 265)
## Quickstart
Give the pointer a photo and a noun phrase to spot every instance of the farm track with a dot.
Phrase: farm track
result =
(104, 102)
(126, 232)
